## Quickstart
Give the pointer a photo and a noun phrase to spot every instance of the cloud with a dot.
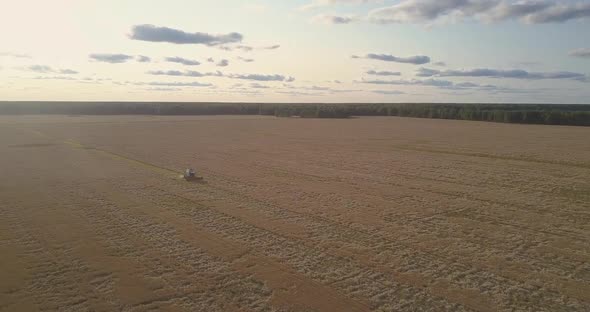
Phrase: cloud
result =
(427, 72)
(180, 84)
(182, 61)
(191, 73)
(247, 48)
(67, 71)
(315, 88)
(383, 73)
(499, 73)
(388, 92)
(414, 11)
(414, 82)
(299, 93)
(241, 47)
(333, 19)
(529, 11)
(143, 59)
(54, 78)
(446, 84)
(582, 52)
(318, 89)
(164, 34)
(111, 58)
(40, 69)
(173, 84)
(258, 86)
(504, 10)
(222, 63)
(442, 64)
(187, 73)
(163, 89)
(44, 69)
(527, 64)
(323, 3)
(210, 60)
(243, 59)
(417, 60)
(15, 55)
(558, 13)
(260, 77)
(91, 80)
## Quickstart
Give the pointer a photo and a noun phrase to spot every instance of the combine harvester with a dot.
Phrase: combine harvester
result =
(191, 175)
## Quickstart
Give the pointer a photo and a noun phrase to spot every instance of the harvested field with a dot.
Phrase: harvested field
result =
(364, 214)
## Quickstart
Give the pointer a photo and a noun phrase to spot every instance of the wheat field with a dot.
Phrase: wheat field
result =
(361, 214)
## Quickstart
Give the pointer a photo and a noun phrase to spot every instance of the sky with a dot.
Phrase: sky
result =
(521, 51)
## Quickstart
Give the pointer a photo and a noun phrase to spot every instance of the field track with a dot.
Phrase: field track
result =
(363, 214)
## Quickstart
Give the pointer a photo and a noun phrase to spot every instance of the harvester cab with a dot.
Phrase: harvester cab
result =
(191, 175)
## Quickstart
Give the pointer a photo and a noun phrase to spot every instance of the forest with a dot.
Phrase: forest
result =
(549, 114)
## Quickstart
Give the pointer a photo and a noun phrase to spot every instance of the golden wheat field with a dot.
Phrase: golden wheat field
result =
(363, 214)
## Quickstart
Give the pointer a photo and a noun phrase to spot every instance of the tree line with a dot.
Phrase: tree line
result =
(550, 114)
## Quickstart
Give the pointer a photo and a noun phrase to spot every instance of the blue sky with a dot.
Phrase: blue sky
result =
(296, 51)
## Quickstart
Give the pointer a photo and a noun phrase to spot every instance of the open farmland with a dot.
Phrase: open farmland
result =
(362, 214)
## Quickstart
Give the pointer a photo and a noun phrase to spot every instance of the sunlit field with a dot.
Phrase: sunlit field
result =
(360, 214)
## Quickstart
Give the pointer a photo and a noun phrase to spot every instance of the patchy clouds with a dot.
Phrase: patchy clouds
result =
(191, 73)
(499, 73)
(531, 12)
(443, 84)
(512, 44)
(44, 69)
